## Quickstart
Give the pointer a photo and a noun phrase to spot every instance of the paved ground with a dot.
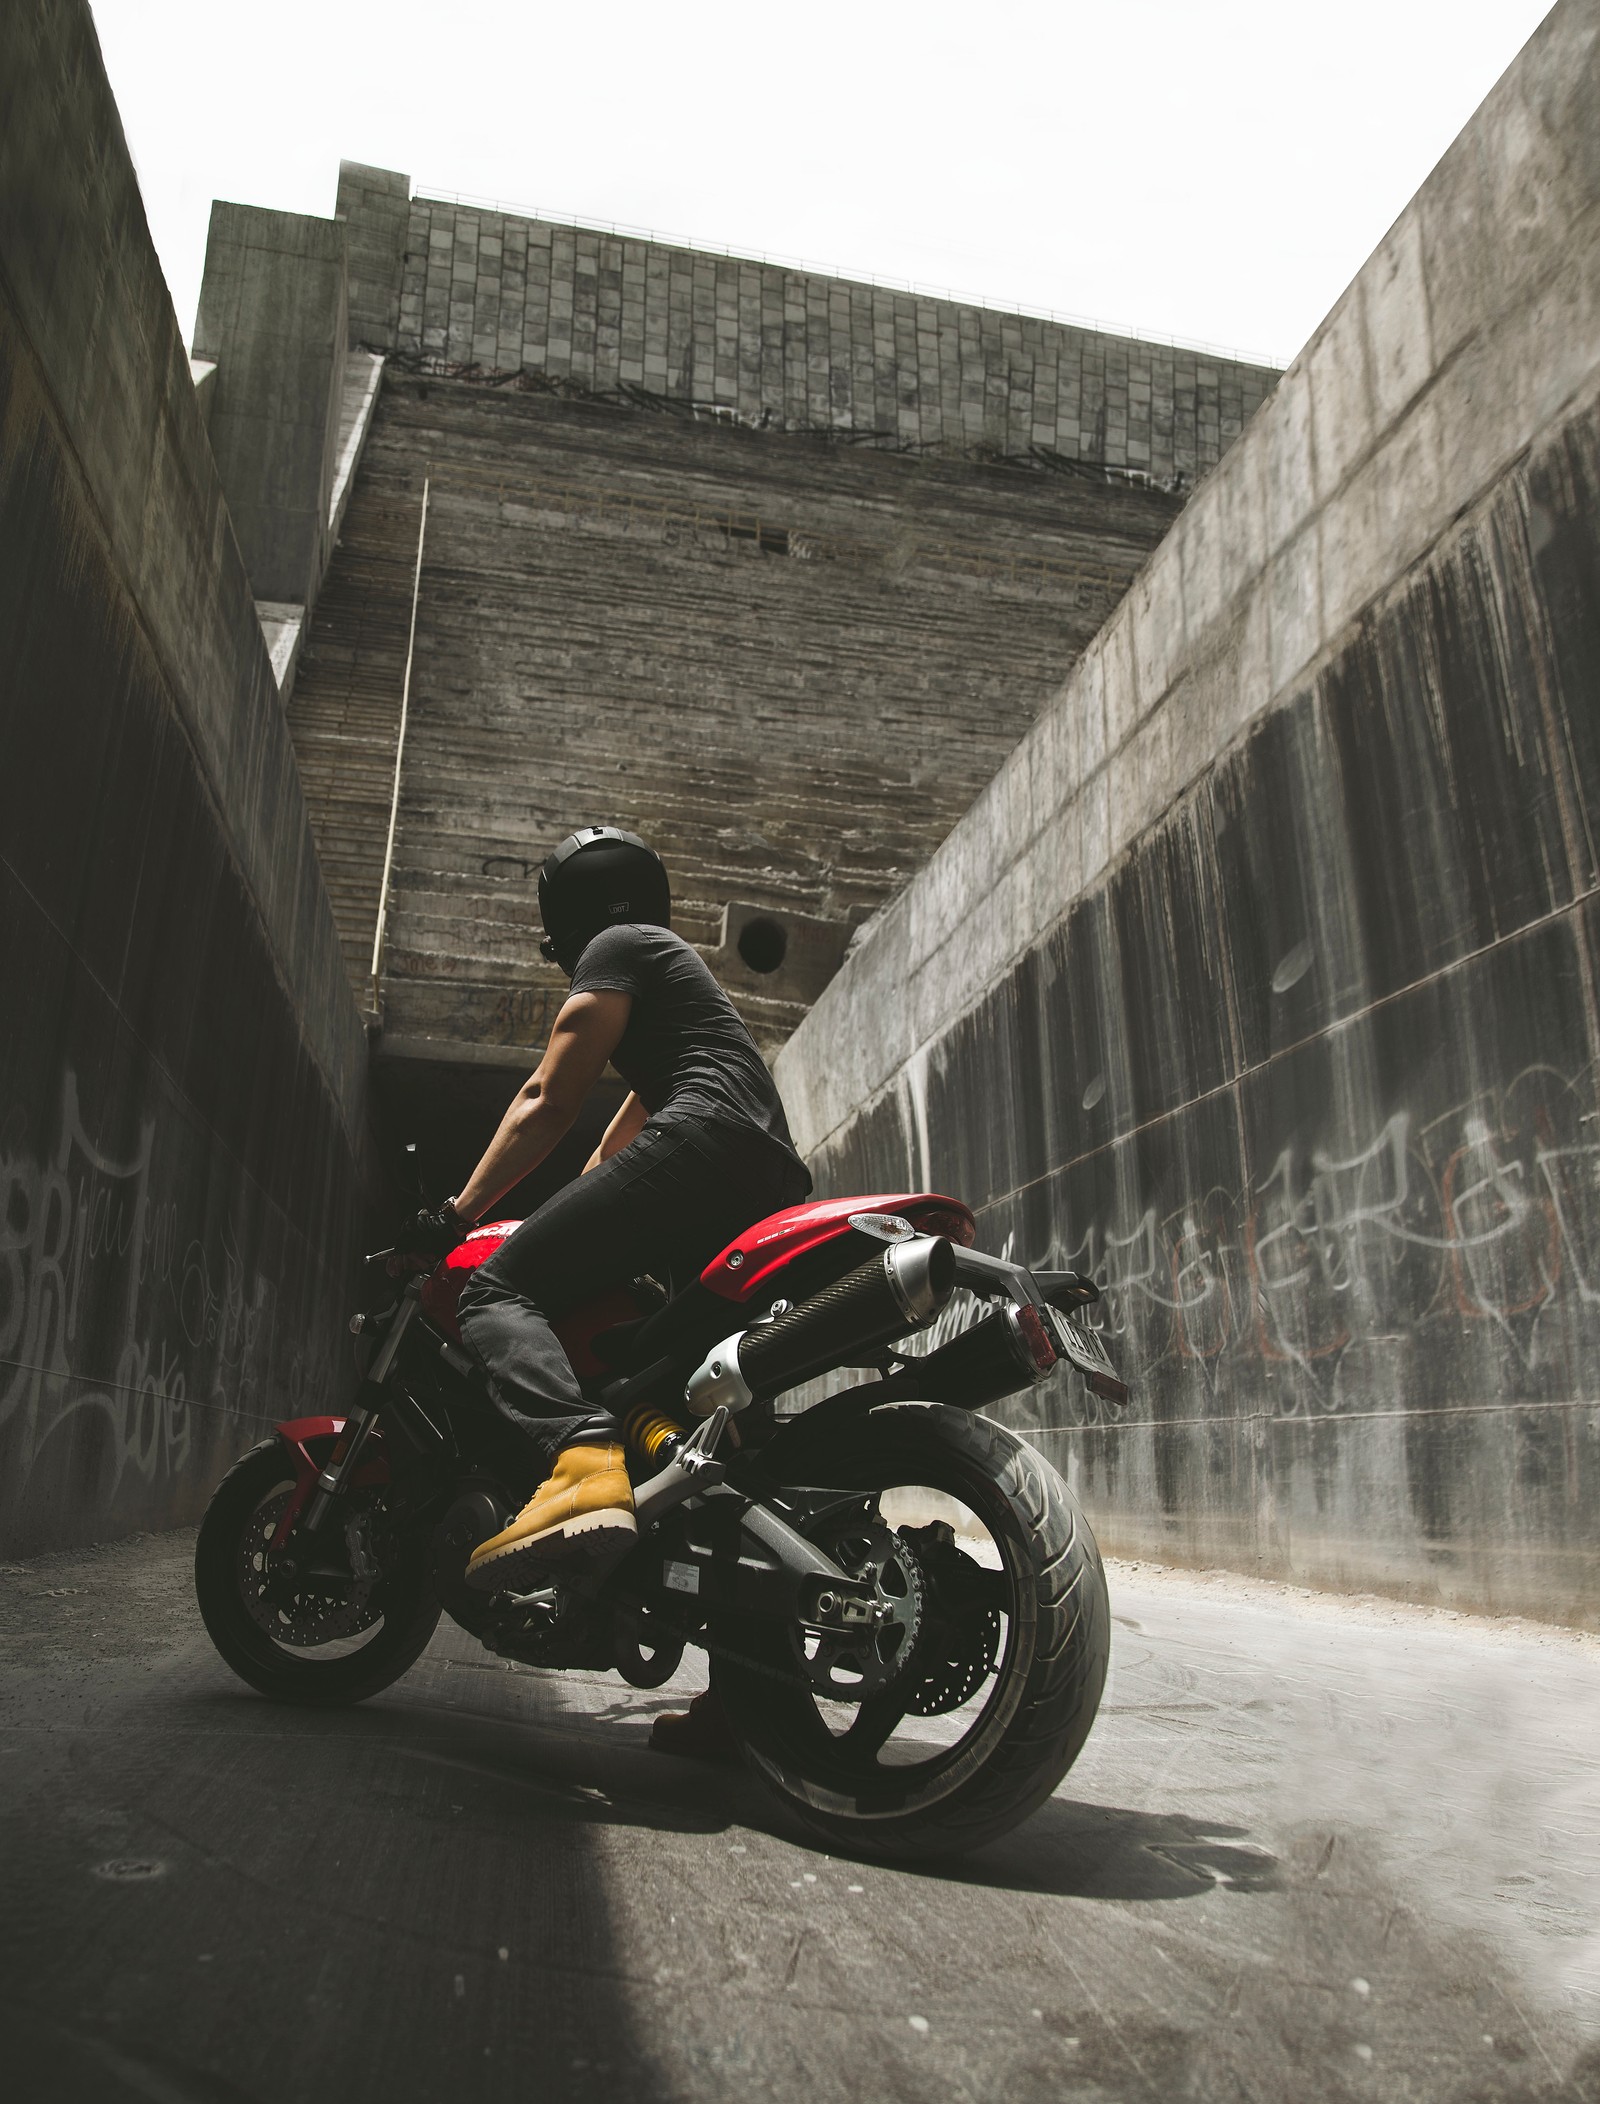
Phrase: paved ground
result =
(1316, 1849)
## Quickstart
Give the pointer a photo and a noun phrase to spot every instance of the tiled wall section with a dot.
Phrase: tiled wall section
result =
(787, 349)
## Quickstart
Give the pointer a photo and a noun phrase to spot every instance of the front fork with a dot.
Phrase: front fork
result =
(361, 1423)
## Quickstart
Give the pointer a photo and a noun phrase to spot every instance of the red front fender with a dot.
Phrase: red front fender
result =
(310, 1441)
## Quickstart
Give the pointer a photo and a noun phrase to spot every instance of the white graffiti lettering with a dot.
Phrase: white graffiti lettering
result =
(107, 1312)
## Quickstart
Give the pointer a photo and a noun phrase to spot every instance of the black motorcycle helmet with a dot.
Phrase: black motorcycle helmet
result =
(597, 877)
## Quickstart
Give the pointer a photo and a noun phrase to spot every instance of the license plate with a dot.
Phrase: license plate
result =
(1083, 1347)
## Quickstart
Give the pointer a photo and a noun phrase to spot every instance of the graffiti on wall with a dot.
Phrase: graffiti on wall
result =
(110, 1309)
(1337, 1257)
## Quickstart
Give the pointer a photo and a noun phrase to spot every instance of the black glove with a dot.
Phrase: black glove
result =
(433, 1233)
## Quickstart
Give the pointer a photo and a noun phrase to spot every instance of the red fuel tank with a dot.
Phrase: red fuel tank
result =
(442, 1289)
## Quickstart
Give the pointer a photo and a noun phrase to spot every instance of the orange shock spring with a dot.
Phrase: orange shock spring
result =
(651, 1433)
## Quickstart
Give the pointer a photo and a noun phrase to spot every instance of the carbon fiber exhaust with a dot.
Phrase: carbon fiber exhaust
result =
(1004, 1352)
(898, 1292)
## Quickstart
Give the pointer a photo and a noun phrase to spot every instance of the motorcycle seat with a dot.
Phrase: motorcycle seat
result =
(614, 1347)
(690, 1317)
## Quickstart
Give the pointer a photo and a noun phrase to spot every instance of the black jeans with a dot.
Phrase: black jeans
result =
(669, 1199)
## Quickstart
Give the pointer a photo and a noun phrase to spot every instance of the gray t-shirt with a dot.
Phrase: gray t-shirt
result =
(684, 1046)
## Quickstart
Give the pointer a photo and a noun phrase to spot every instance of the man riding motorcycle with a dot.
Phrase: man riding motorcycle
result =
(699, 1150)
(903, 1686)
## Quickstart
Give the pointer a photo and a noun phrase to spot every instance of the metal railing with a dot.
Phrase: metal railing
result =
(381, 929)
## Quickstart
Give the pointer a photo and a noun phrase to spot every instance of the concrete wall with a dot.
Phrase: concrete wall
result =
(272, 318)
(1261, 980)
(779, 348)
(182, 1072)
(375, 205)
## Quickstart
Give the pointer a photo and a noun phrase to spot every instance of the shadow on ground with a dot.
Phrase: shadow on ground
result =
(593, 1768)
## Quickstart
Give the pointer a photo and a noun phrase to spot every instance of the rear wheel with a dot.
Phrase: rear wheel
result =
(978, 1685)
(323, 1641)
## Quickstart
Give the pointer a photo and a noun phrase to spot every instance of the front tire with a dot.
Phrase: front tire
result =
(232, 1539)
(1048, 1673)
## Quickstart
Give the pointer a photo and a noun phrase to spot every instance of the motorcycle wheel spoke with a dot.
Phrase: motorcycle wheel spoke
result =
(875, 1722)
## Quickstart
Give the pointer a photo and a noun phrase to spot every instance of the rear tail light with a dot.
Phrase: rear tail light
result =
(1036, 1338)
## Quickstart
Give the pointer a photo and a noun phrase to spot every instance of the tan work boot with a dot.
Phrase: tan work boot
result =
(585, 1508)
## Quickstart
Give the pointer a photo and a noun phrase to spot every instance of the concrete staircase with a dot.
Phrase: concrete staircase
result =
(789, 664)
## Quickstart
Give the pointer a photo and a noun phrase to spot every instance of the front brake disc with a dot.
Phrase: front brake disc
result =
(302, 1611)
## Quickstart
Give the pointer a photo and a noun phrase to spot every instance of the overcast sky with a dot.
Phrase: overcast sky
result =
(1216, 170)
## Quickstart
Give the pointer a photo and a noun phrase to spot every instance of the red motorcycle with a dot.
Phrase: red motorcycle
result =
(903, 1606)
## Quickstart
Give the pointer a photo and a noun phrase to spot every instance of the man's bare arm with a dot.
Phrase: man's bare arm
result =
(586, 1033)
(625, 1126)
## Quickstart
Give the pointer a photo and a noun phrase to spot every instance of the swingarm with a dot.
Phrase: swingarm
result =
(704, 1541)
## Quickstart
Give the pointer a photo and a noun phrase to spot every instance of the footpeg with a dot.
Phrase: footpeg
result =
(691, 1470)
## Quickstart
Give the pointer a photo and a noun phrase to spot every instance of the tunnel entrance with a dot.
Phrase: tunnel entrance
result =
(450, 1108)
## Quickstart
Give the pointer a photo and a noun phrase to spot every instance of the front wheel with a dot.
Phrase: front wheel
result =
(323, 1642)
(975, 1693)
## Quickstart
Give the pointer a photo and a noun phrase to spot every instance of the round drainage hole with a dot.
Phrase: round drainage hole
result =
(763, 944)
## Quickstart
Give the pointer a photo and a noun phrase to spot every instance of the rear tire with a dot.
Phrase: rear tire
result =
(1048, 1680)
(410, 1610)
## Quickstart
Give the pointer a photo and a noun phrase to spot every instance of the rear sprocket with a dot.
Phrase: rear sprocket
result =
(851, 1664)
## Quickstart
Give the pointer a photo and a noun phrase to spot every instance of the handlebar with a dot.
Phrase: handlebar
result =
(398, 1262)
